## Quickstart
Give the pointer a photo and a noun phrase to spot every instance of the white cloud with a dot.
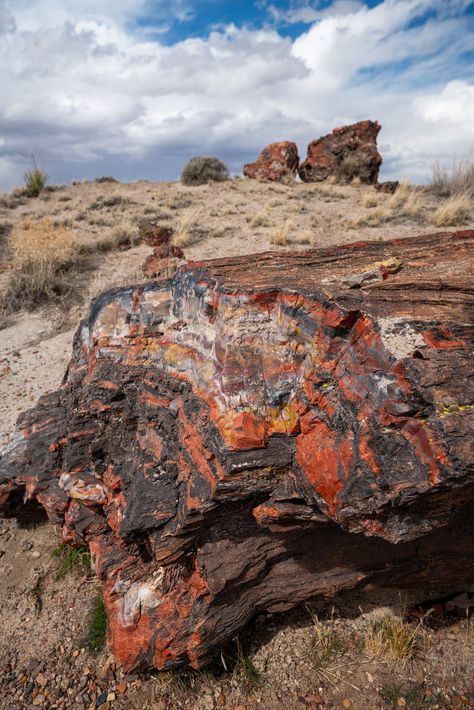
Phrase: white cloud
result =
(89, 95)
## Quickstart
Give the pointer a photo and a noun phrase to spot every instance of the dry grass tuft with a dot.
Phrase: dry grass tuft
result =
(325, 642)
(374, 218)
(184, 233)
(43, 241)
(370, 199)
(36, 283)
(282, 234)
(305, 237)
(392, 638)
(400, 195)
(45, 252)
(412, 207)
(260, 220)
(455, 181)
(455, 210)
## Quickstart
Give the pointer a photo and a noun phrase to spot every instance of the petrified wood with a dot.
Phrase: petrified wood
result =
(260, 430)
(347, 152)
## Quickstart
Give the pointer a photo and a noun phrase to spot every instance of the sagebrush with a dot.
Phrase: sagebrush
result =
(204, 169)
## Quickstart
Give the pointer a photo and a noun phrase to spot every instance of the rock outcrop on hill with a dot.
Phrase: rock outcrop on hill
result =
(259, 430)
(276, 162)
(347, 152)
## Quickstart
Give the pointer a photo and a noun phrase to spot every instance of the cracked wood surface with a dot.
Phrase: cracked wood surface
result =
(260, 430)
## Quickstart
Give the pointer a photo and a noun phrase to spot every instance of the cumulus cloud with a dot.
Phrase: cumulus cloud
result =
(88, 93)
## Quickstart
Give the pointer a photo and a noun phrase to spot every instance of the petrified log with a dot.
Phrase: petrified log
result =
(347, 152)
(260, 430)
(276, 162)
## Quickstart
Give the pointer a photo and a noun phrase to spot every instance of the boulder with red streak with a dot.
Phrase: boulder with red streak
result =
(276, 162)
(347, 152)
(257, 431)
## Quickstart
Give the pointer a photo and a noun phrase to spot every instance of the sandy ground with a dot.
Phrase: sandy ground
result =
(44, 617)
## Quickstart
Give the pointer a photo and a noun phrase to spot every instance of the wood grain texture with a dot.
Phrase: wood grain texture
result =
(257, 431)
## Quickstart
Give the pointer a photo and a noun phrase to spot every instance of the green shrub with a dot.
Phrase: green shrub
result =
(72, 558)
(97, 630)
(35, 180)
(201, 170)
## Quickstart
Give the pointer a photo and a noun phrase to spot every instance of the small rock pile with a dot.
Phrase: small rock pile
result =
(165, 259)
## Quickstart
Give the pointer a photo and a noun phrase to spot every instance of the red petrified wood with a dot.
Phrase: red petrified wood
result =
(347, 152)
(260, 430)
(276, 162)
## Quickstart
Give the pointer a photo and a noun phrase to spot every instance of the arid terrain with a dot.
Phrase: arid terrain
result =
(329, 655)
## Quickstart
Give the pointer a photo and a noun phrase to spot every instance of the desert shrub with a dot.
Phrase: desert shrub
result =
(455, 210)
(459, 179)
(121, 237)
(5, 229)
(105, 178)
(44, 240)
(203, 169)
(35, 283)
(35, 180)
(112, 201)
(351, 166)
(45, 252)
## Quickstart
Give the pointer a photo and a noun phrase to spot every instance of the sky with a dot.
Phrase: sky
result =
(134, 88)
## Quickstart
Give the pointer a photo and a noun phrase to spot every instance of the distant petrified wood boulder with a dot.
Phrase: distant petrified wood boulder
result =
(166, 257)
(260, 430)
(276, 162)
(389, 187)
(347, 152)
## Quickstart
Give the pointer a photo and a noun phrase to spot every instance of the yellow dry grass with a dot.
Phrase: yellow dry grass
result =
(400, 195)
(370, 199)
(43, 241)
(392, 638)
(455, 210)
(282, 234)
(412, 207)
(182, 235)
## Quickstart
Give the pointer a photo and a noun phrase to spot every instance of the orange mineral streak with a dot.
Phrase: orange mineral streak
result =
(316, 453)
(442, 339)
(366, 452)
(427, 448)
(193, 442)
(184, 474)
(264, 513)
(246, 431)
